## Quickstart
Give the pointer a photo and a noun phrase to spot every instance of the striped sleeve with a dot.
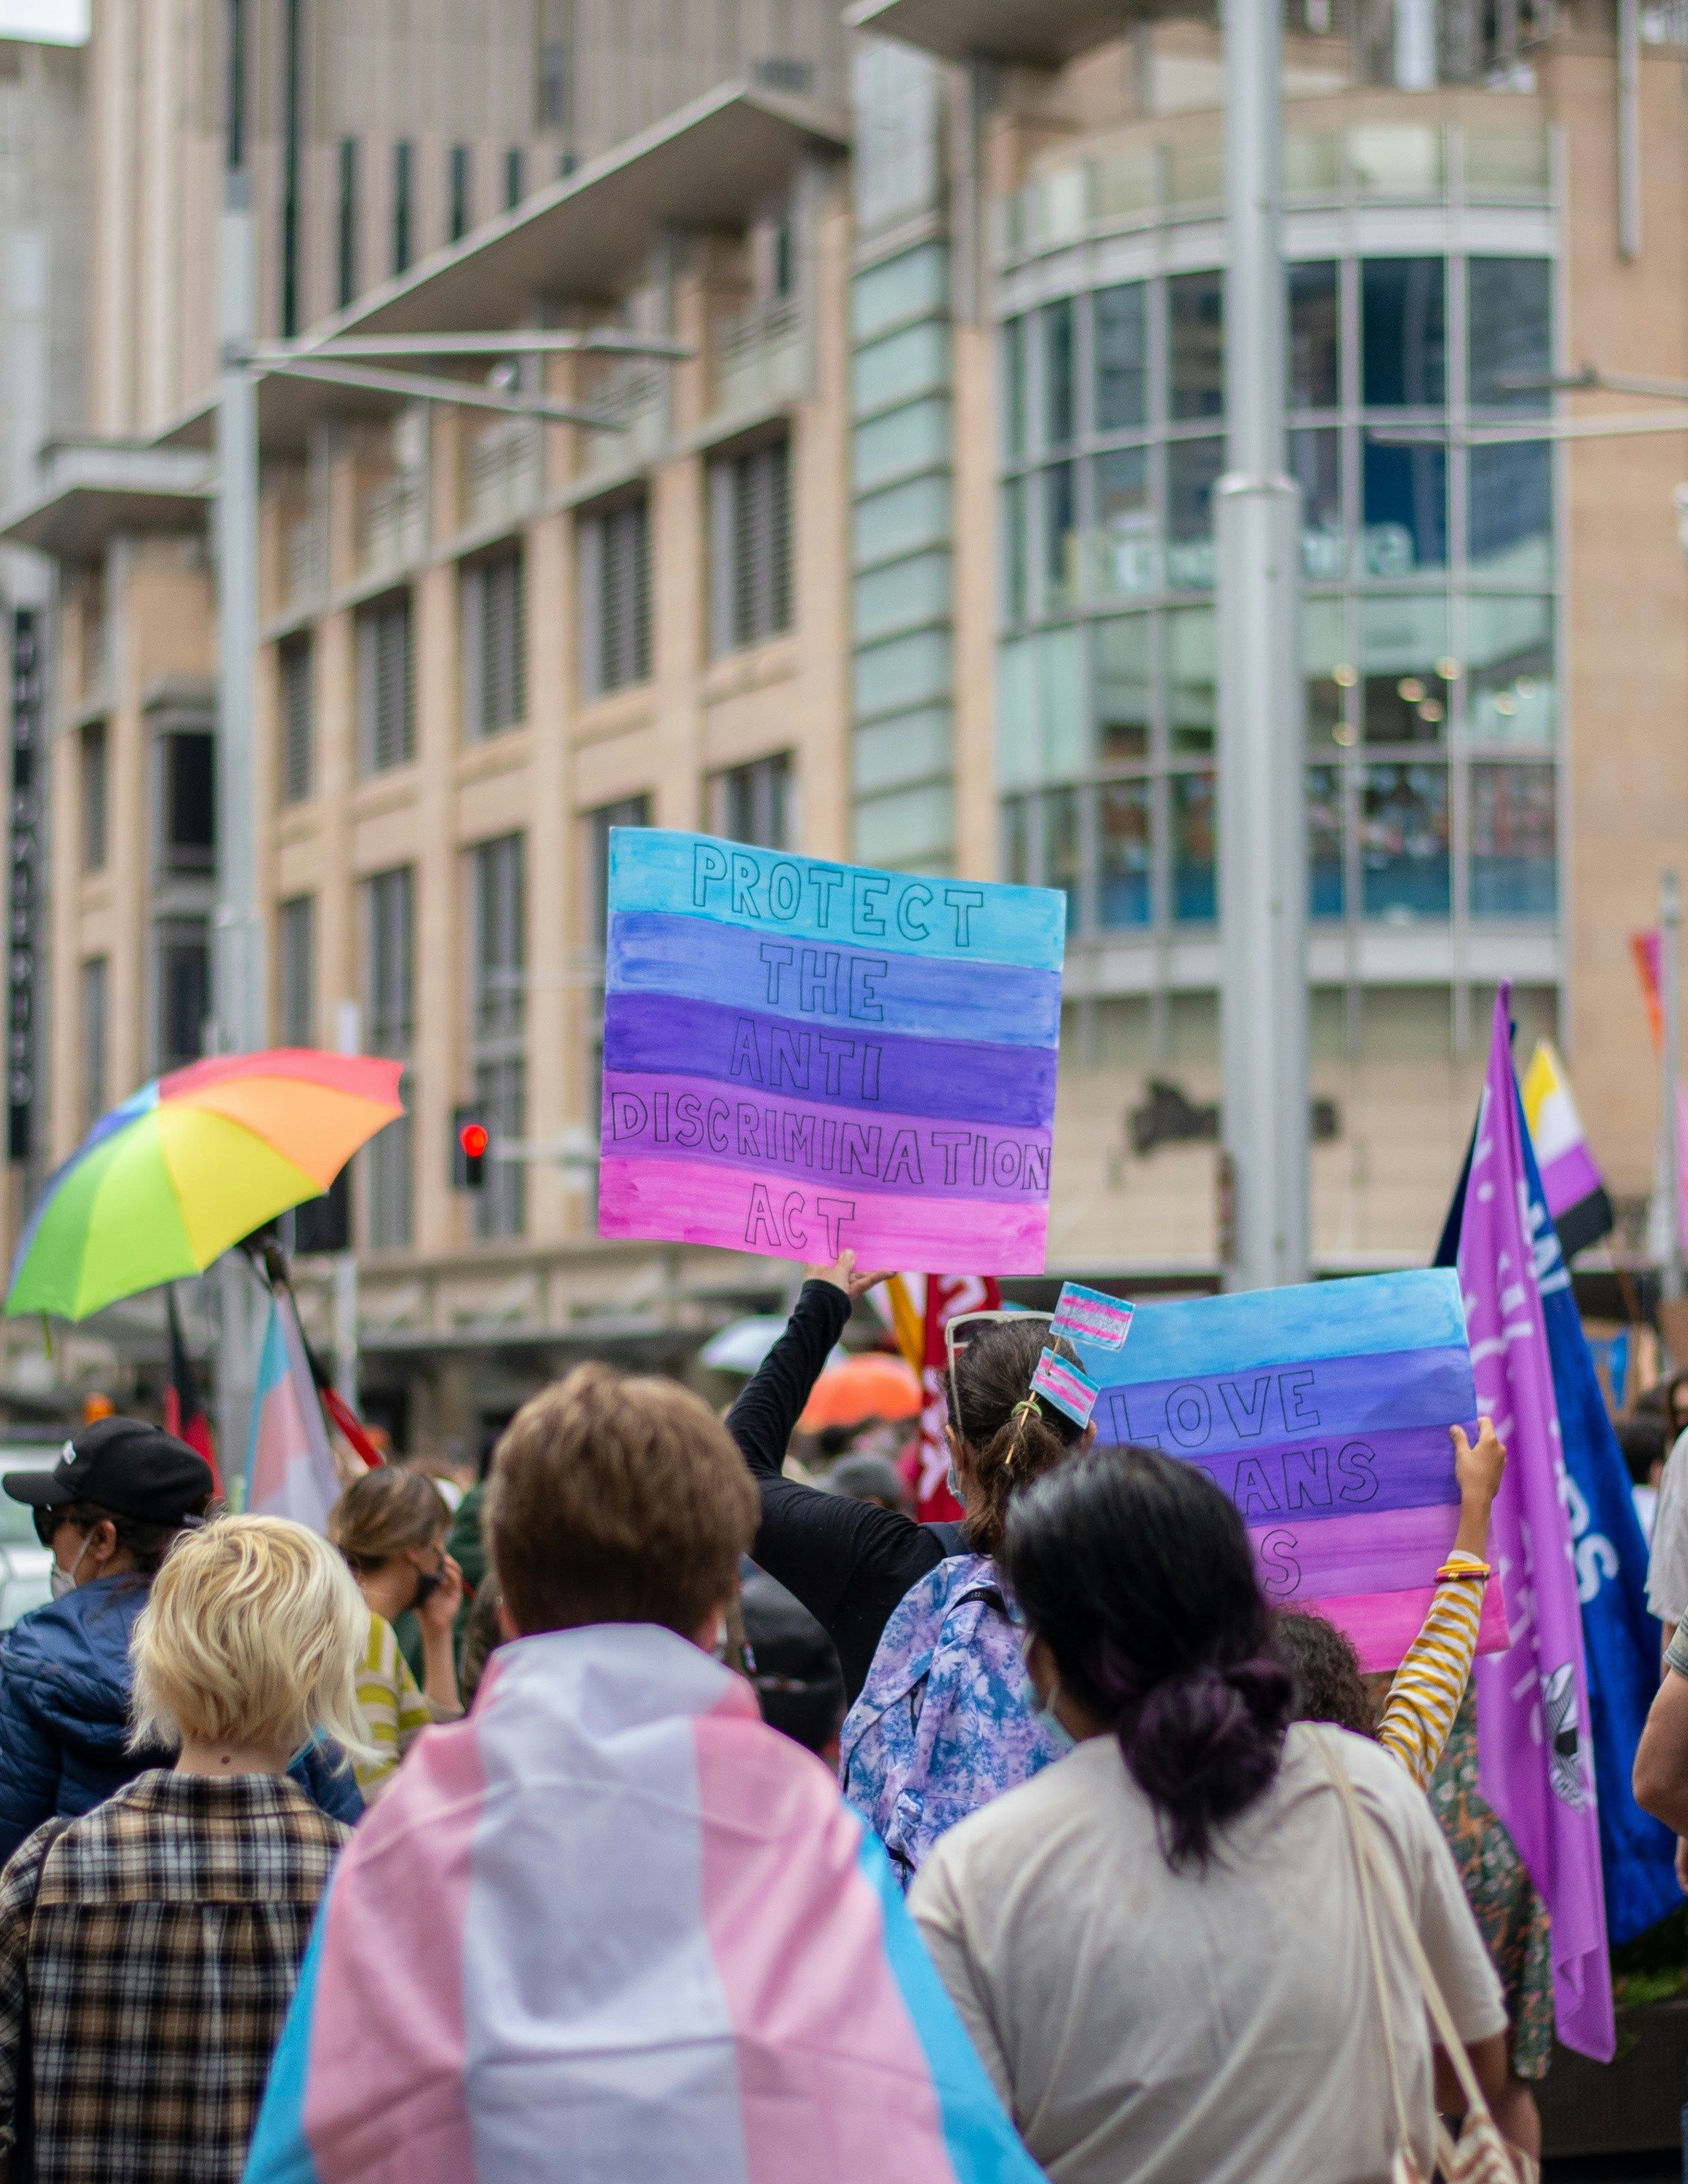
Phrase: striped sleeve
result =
(393, 1708)
(1430, 1682)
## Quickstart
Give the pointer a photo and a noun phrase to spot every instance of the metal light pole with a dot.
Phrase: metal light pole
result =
(237, 967)
(1262, 787)
(1668, 1179)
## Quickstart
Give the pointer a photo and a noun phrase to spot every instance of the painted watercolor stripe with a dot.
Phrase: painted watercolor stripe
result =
(855, 1148)
(974, 1080)
(1379, 1552)
(1065, 1386)
(1092, 1316)
(1324, 1399)
(845, 991)
(1336, 1475)
(1383, 1624)
(808, 898)
(694, 1202)
(1199, 1337)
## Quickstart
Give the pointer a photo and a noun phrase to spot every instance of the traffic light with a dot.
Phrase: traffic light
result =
(469, 1142)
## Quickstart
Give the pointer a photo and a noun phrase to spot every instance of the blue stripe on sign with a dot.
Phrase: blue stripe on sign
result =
(982, 2146)
(844, 905)
(1280, 1406)
(756, 1053)
(1367, 1317)
(844, 992)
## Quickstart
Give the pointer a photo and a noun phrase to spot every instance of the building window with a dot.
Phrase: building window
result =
(494, 645)
(498, 1013)
(291, 119)
(96, 796)
(751, 546)
(403, 173)
(386, 700)
(295, 963)
(630, 811)
(182, 989)
(389, 1017)
(457, 183)
(752, 803)
(92, 1000)
(298, 752)
(516, 177)
(187, 802)
(553, 87)
(346, 225)
(615, 577)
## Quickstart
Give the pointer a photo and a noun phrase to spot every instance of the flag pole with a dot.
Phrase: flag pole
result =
(1669, 1155)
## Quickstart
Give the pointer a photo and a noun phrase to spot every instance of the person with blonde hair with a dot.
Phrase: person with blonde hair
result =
(149, 1949)
(390, 1526)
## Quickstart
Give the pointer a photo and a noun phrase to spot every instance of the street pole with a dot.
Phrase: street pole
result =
(237, 966)
(1669, 1152)
(1261, 770)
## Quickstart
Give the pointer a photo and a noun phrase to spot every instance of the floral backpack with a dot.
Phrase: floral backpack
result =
(946, 1719)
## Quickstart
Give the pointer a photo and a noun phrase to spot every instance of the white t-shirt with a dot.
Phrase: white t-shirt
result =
(1148, 2026)
(1667, 1554)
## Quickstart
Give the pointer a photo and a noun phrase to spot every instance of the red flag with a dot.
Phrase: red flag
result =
(184, 1415)
(1644, 947)
(946, 1295)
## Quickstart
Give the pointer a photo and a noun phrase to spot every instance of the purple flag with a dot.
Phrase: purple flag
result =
(1532, 1701)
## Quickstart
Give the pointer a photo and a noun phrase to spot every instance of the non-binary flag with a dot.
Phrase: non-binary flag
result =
(1576, 1195)
(289, 1465)
(800, 1057)
(1533, 1722)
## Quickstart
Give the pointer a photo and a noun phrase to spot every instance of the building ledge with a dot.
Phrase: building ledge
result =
(1004, 30)
(91, 490)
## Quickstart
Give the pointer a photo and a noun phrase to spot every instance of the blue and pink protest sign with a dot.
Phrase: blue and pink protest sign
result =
(1323, 1413)
(801, 1057)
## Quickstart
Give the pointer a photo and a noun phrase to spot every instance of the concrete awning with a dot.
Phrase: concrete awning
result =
(90, 489)
(704, 168)
(1040, 36)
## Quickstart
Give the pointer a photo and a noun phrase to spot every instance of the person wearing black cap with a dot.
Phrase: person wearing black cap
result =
(109, 1510)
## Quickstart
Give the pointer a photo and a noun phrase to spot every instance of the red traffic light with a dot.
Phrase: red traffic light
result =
(472, 1136)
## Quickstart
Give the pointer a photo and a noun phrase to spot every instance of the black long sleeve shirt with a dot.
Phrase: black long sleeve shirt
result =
(850, 1562)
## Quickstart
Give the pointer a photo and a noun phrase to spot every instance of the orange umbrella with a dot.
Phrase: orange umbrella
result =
(868, 1386)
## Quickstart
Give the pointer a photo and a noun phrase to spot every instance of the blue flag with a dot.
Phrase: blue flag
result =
(1620, 1638)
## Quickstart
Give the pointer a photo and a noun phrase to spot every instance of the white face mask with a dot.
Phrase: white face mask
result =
(61, 1581)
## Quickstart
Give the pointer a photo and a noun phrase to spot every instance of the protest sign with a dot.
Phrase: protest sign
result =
(1323, 1413)
(802, 1056)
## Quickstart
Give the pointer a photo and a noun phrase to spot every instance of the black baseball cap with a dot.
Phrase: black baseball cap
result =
(125, 1465)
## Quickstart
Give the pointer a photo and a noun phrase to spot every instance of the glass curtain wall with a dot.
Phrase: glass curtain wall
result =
(1428, 576)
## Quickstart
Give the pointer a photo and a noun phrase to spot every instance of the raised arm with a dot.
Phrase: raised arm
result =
(850, 1562)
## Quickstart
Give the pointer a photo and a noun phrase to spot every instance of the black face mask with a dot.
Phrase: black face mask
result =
(428, 1582)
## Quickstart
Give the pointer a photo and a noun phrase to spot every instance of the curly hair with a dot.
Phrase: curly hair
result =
(1321, 1659)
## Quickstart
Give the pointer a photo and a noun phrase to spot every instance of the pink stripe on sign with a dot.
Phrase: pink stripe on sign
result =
(1381, 1551)
(694, 1202)
(1383, 1624)
(829, 2057)
(385, 2090)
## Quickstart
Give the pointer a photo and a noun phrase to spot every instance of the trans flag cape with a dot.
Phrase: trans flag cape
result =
(611, 1927)
(1532, 1701)
(1620, 1637)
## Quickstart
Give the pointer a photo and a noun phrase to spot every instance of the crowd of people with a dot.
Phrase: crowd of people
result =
(660, 1811)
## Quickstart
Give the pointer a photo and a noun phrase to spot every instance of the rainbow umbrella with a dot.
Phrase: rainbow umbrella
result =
(190, 1164)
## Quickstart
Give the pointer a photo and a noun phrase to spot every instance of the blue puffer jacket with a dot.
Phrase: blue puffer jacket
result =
(64, 1713)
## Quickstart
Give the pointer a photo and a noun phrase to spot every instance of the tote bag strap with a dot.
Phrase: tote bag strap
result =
(1376, 1869)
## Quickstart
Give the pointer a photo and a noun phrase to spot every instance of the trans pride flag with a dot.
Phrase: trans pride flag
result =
(289, 1465)
(610, 1926)
(799, 1056)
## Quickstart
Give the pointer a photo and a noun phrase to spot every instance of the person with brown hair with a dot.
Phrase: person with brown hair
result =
(612, 1924)
(390, 1526)
(941, 1719)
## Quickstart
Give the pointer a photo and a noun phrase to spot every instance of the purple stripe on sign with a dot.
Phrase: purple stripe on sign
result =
(1383, 1624)
(688, 1119)
(755, 1051)
(1336, 1474)
(1365, 1553)
(1285, 1405)
(694, 1202)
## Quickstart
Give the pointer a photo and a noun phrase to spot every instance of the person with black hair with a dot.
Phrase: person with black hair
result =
(1158, 1944)
(110, 1510)
(793, 1669)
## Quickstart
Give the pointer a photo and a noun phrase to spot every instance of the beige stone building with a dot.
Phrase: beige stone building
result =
(908, 557)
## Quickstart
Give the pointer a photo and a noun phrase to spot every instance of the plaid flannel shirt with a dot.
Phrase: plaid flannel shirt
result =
(155, 1944)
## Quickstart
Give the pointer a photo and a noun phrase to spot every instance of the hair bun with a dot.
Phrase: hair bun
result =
(1203, 1744)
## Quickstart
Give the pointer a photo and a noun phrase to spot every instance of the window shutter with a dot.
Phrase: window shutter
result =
(589, 546)
(779, 536)
(723, 561)
(472, 644)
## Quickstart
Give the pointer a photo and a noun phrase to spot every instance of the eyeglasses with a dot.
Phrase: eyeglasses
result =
(47, 1523)
(967, 1326)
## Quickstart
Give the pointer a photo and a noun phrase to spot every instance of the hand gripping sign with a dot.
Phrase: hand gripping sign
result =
(801, 1057)
(1323, 1413)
